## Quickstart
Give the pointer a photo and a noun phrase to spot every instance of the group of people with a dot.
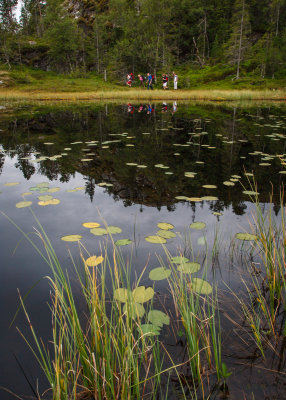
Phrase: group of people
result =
(150, 80)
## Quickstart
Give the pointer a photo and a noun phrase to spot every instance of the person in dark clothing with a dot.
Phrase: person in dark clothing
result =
(149, 81)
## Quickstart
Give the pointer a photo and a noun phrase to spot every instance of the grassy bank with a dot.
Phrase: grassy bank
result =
(211, 83)
(144, 95)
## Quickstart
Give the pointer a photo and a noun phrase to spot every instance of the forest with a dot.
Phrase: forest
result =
(118, 36)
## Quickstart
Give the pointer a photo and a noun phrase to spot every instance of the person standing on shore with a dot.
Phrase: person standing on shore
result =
(141, 79)
(175, 76)
(149, 81)
(165, 81)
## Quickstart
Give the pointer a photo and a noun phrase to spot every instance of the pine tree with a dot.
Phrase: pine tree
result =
(238, 42)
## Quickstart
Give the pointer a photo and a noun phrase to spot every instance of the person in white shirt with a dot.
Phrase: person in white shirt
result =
(175, 76)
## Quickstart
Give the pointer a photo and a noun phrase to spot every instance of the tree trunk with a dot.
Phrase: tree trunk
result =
(240, 42)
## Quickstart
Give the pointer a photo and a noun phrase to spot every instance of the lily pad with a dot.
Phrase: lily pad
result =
(201, 286)
(155, 239)
(228, 183)
(123, 242)
(160, 273)
(250, 193)
(91, 225)
(54, 190)
(23, 204)
(198, 225)
(113, 230)
(209, 186)
(11, 183)
(93, 261)
(245, 236)
(179, 260)
(26, 194)
(98, 231)
(137, 310)
(195, 199)
(121, 295)
(189, 267)
(209, 198)
(158, 318)
(165, 225)
(45, 198)
(142, 294)
(71, 238)
(148, 330)
(166, 234)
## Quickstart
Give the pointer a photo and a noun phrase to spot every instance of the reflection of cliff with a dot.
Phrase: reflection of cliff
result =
(230, 133)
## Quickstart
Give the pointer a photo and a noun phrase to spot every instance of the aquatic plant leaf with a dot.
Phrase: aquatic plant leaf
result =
(71, 238)
(54, 202)
(209, 198)
(189, 267)
(195, 199)
(165, 225)
(148, 330)
(45, 198)
(23, 204)
(121, 295)
(250, 193)
(131, 164)
(93, 261)
(90, 224)
(217, 213)
(43, 203)
(181, 197)
(202, 241)
(136, 310)
(200, 286)
(11, 183)
(198, 225)
(245, 236)
(158, 318)
(160, 273)
(113, 230)
(26, 194)
(228, 183)
(123, 242)
(43, 185)
(166, 234)
(142, 294)
(179, 260)
(98, 231)
(155, 239)
(209, 186)
(54, 190)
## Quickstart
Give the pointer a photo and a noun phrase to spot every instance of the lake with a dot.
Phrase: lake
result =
(133, 166)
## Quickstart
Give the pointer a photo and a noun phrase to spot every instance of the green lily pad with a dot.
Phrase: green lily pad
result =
(23, 204)
(245, 236)
(113, 230)
(166, 234)
(209, 186)
(142, 294)
(158, 318)
(209, 198)
(45, 198)
(165, 225)
(136, 310)
(155, 239)
(228, 183)
(98, 231)
(123, 242)
(90, 225)
(121, 295)
(93, 261)
(148, 330)
(179, 260)
(182, 198)
(71, 238)
(54, 190)
(250, 193)
(160, 273)
(202, 241)
(198, 225)
(201, 286)
(189, 267)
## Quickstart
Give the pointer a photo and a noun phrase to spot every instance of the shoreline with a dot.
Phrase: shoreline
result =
(213, 95)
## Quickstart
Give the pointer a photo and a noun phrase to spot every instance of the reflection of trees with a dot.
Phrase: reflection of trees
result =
(89, 187)
(2, 161)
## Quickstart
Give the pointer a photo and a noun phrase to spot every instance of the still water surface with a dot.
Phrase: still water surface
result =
(132, 166)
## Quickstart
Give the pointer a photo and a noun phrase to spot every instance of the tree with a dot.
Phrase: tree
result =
(238, 42)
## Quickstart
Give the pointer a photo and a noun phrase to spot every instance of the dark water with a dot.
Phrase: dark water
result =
(215, 142)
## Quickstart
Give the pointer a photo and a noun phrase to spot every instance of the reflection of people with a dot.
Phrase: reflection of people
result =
(164, 107)
(130, 108)
(150, 109)
(174, 106)
(128, 80)
(175, 76)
